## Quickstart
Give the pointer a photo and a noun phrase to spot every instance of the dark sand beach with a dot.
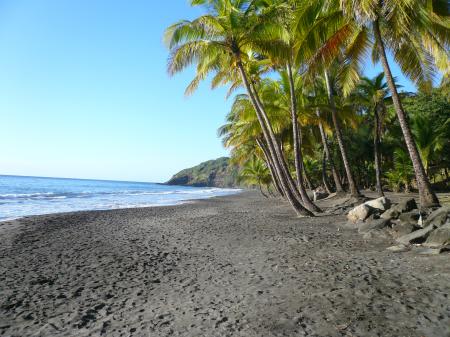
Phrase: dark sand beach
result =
(231, 266)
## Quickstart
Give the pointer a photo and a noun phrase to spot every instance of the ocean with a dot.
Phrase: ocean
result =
(24, 196)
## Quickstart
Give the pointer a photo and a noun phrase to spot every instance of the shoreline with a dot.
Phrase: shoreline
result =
(175, 203)
(237, 265)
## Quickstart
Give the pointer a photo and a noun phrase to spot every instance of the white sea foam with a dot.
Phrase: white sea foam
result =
(23, 196)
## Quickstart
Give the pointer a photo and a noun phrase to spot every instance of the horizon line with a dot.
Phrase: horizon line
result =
(87, 179)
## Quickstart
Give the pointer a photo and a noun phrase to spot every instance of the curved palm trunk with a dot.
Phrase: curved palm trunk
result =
(324, 173)
(426, 195)
(329, 158)
(376, 146)
(295, 203)
(275, 179)
(297, 144)
(354, 192)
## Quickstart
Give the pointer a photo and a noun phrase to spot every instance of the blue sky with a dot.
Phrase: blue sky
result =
(84, 92)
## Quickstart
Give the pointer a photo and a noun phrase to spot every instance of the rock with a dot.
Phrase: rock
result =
(391, 213)
(438, 217)
(375, 234)
(398, 248)
(420, 234)
(427, 251)
(406, 206)
(402, 229)
(409, 218)
(374, 224)
(439, 237)
(382, 203)
(319, 195)
(360, 213)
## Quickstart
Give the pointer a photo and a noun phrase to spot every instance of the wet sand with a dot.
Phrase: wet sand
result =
(231, 266)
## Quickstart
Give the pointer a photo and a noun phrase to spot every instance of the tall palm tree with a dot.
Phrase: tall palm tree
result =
(319, 23)
(227, 38)
(417, 34)
(353, 188)
(372, 93)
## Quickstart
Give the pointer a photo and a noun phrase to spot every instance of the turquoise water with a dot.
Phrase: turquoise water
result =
(23, 196)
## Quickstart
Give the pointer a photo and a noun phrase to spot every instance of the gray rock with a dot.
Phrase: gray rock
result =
(398, 248)
(427, 251)
(360, 213)
(406, 206)
(402, 229)
(382, 203)
(439, 237)
(391, 213)
(420, 234)
(409, 218)
(438, 217)
(374, 224)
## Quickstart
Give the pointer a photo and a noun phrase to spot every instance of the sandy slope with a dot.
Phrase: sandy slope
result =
(231, 266)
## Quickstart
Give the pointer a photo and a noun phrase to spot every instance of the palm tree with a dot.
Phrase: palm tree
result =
(315, 22)
(224, 40)
(256, 173)
(278, 95)
(417, 35)
(372, 93)
(353, 188)
(429, 137)
(242, 133)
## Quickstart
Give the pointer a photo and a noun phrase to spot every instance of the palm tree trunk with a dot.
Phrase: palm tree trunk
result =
(354, 192)
(275, 179)
(426, 195)
(324, 173)
(297, 144)
(295, 203)
(326, 148)
(376, 146)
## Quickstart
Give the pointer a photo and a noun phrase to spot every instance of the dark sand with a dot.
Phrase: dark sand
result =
(230, 266)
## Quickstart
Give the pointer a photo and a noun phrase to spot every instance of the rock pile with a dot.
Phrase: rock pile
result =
(404, 223)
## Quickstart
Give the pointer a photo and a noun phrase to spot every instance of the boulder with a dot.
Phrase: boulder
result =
(416, 235)
(382, 203)
(401, 229)
(373, 225)
(360, 213)
(439, 237)
(409, 218)
(438, 217)
(318, 195)
(406, 206)
(391, 213)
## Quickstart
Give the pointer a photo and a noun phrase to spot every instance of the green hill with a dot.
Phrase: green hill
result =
(213, 173)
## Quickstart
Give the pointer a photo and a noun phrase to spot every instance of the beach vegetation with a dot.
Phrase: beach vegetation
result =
(304, 114)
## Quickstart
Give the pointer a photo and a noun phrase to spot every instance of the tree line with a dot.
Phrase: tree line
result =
(302, 101)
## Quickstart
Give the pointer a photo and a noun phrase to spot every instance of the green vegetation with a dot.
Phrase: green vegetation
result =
(213, 173)
(305, 115)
